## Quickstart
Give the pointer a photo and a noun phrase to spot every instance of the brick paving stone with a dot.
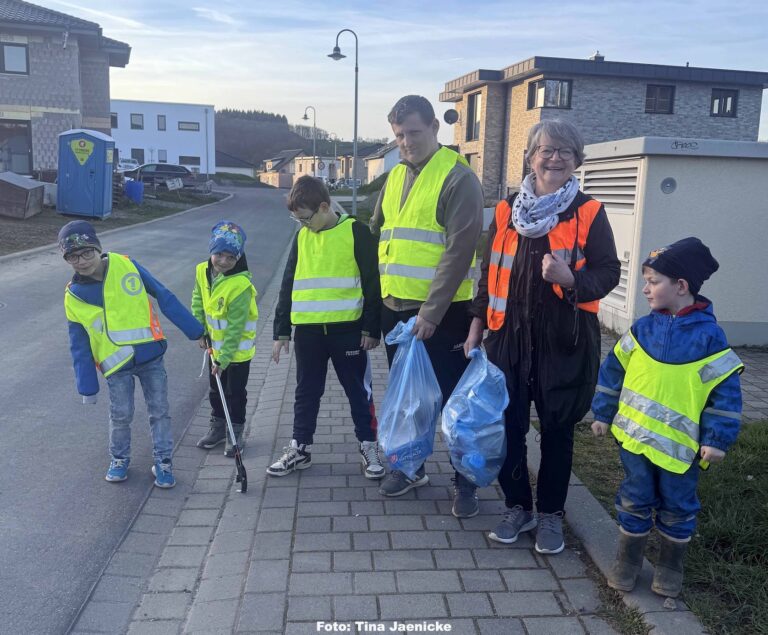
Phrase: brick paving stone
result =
(198, 518)
(105, 617)
(370, 540)
(311, 562)
(231, 541)
(320, 583)
(480, 580)
(277, 519)
(350, 523)
(355, 608)
(374, 582)
(131, 564)
(225, 564)
(160, 627)
(411, 606)
(151, 524)
(402, 560)
(582, 594)
(454, 559)
(222, 588)
(504, 558)
(522, 604)
(173, 580)
(434, 581)
(549, 625)
(186, 536)
(262, 612)
(266, 576)
(183, 557)
(150, 544)
(272, 546)
(310, 608)
(567, 565)
(322, 542)
(597, 626)
(352, 561)
(419, 539)
(507, 626)
(313, 525)
(159, 606)
(469, 605)
(530, 580)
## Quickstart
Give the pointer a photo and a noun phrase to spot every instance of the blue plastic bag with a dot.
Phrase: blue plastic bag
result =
(411, 403)
(473, 421)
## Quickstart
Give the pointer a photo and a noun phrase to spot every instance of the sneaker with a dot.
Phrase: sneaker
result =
(229, 449)
(515, 521)
(549, 537)
(217, 434)
(163, 474)
(465, 503)
(118, 470)
(397, 483)
(294, 457)
(369, 450)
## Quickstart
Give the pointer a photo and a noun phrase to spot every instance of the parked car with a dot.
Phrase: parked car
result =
(158, 173)
(124, 165)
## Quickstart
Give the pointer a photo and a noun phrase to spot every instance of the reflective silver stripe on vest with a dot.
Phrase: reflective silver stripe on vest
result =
(627, 343)
(722, 365)
(566, 254)
(97, 324)
(307, 284)
(245, 345)
(323, 306)
(385, 234)
(496, 303)
(723, 413)
(607, 391)
(660, 412)
(412, 271)
(116, 358)
(506, 260)
(129, 335)
(412, 233)
(656, 441)
(218, 325)
(250, 326)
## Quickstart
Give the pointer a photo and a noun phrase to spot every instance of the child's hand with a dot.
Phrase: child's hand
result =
(277, 346)
(202, 343)
(216, 370)
(600, 429)
(368, 343)
(710, 454)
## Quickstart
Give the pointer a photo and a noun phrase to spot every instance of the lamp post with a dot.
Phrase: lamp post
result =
(314, 137)
(337, 55)
(335, 155)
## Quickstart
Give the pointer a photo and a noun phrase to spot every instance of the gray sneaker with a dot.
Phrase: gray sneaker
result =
(465, 503)
(371, 459)
(396, 483)
(217, 434)
(515, 521)
(549, 537)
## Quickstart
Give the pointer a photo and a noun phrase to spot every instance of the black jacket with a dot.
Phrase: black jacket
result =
(367, 258)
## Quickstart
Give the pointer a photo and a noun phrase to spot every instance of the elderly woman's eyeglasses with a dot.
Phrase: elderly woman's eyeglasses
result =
(85, 254)
(547, 152)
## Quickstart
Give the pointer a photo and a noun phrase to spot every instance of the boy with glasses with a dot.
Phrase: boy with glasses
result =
(113, 322)
(331, 293)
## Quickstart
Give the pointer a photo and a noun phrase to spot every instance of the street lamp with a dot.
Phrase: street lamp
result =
(314, 137)
(337, 55)
(335, 155)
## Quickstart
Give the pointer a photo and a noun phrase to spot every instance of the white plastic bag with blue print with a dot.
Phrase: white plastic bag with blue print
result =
(473, 421)
(411, 403)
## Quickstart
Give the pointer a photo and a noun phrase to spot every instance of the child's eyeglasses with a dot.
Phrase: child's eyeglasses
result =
(303, 221)
(85, 254)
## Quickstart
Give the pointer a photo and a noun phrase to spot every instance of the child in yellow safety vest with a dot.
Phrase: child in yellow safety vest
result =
(224, 299)
(670, 394)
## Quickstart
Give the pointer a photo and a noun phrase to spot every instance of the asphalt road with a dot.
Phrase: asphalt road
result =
(59, 519)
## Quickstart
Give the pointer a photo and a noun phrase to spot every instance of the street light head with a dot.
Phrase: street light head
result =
(336, 55)
(305, 118)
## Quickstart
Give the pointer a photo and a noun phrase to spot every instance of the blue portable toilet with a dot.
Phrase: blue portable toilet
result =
(85, 173)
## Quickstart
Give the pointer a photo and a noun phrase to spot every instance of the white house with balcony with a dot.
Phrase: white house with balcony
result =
(160, 132)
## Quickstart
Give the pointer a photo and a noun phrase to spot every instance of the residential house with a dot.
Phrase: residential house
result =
(326, 168)
(229, 164)
(54, 76)
(346, 162)
(606, 100)
(279, 170)
(381, 161)
(160, 132)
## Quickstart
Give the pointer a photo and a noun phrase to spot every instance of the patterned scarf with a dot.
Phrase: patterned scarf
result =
(534, 216)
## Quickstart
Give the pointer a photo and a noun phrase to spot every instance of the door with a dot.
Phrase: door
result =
(15, 147)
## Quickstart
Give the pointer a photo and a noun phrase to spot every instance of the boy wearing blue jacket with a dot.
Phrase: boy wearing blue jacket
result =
(113, 323)
(670, 394)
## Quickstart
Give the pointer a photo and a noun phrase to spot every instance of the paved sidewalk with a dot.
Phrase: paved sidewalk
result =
(323, 545)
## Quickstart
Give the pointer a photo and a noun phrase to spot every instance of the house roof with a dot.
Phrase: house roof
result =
(598, 66)
(382, 151)
(283, 157)
(365, 152)
(225, 160)
(17, 14)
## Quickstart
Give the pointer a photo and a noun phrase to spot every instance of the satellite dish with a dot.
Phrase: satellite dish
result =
(451, 116)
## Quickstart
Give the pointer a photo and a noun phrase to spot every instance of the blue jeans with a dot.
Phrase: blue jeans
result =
(154, 385)
(647, 488)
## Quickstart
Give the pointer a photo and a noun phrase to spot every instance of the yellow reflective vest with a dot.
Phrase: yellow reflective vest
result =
(660, 404)
(326, 283)
(412, 242)
(126, 318)
(216, 299)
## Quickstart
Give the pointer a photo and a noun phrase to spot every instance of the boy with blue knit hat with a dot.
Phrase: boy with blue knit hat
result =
(224, 299)
(113, 322)
(670, 394)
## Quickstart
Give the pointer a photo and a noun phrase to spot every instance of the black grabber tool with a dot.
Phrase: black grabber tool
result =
(242, 477)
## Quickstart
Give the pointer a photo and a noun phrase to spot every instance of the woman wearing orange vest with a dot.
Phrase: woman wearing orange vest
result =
(550, 258)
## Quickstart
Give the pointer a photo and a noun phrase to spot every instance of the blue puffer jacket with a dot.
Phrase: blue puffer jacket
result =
(693, 335)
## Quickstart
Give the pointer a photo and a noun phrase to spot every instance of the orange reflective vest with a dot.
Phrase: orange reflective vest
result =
(563, 240)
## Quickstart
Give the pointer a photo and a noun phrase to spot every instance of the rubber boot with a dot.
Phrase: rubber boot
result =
(229, 449)
(629, 561)
(215, 435)
(668, 579)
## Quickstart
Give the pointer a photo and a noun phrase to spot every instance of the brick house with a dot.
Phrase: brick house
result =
(54, 76)
(279, 170)
(606, 100)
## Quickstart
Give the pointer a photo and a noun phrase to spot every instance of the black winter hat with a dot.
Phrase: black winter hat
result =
(689, 259)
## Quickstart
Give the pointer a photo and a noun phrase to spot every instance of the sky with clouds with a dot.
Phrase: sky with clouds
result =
(256, 54)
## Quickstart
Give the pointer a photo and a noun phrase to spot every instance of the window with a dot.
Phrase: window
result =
(189, 160)
(474, 108)
(113, 120)
(15, 147)
(161, 122)
(137, 122)
(659, 100)
(724, 102)
(192, 126)
(138, 154)
(162, 156)
(14, 59)
(301, 167)
(549, 93)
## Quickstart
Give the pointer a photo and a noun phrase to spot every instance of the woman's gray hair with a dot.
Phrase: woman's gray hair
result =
(563, 134)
